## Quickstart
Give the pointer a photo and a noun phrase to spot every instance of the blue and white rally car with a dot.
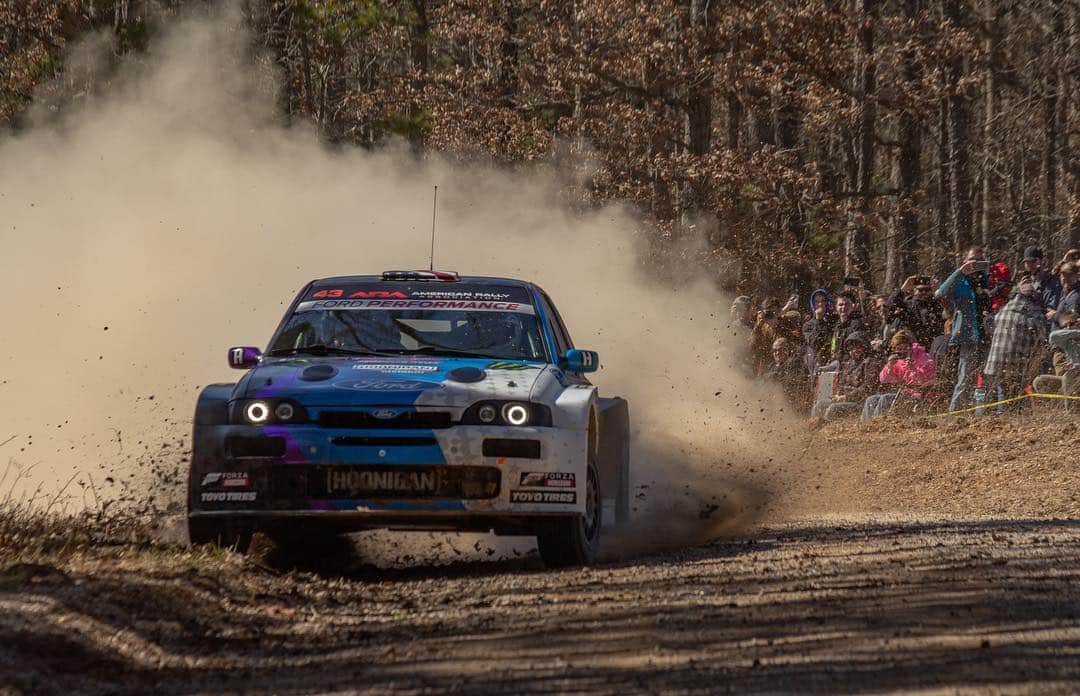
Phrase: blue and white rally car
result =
(412, 400)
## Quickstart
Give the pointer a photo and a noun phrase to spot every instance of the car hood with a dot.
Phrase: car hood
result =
(393, 381)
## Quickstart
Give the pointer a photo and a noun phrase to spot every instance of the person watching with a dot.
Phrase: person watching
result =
(1065, 344)
(910, 371)
(761, 338)
(787, 370)
(847, 321)
(1019, 331)
(1070, 292)
(857, 379)
(817, 330)
(1047, 287)
(966, 289)
(741, 315)
(916, 309)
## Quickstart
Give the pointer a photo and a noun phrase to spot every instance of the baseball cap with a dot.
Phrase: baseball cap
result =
(1033, 253)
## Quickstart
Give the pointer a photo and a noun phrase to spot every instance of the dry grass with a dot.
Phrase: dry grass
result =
(36, 524)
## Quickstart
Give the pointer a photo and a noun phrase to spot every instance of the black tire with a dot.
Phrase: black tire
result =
(315, 551)
(565, 542)
(222, 532)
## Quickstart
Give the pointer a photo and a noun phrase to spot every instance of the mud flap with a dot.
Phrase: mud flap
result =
(614, 456)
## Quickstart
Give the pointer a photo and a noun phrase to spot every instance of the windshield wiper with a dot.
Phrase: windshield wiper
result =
(320, 349)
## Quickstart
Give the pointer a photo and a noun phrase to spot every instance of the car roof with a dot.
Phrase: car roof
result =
(472, 280)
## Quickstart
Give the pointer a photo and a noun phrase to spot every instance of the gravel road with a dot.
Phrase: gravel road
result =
(910, 588)
(839, 606)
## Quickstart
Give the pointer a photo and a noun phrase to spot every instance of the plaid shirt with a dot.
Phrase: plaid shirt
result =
(1018, 329)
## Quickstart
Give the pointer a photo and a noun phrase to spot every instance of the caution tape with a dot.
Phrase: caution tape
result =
(1005, 401)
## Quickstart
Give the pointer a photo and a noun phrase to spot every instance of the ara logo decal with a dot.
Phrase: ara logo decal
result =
(360, 294)
(506, 365)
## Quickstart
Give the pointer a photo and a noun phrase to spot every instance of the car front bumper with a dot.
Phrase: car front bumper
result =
(432, 479)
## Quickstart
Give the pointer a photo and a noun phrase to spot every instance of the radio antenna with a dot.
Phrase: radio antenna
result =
(434, 203)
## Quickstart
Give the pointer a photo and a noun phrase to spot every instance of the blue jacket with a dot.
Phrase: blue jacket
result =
(962, 292)
(1070, 302)
(1049, 289)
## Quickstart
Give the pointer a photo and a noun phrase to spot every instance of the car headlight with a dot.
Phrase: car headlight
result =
(267, 412)
(514, 413)
(284, 411)
(487, 413)
(257, 412)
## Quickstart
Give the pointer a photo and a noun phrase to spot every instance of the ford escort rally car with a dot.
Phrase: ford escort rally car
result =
(412, 400)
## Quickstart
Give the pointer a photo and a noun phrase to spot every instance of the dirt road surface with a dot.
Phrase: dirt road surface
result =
(909, 586)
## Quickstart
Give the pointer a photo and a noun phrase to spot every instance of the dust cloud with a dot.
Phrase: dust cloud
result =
(153, 223)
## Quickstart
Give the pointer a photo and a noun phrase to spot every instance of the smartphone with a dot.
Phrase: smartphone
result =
(981, 266)
(852, 281)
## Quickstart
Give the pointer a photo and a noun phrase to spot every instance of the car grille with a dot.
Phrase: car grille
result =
(385, 441)
(393, 482)
(420, 420)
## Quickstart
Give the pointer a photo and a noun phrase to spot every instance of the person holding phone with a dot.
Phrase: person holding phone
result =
(916, 310)
(966, 289)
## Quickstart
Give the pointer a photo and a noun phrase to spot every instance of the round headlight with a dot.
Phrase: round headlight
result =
(284, 411)
(515, 414)
(257, 412)
(487, 413)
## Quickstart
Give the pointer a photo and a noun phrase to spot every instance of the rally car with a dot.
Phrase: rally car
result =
(412, 400)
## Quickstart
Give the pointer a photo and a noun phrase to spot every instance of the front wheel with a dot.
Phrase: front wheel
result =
(573, 540)
(226, 533)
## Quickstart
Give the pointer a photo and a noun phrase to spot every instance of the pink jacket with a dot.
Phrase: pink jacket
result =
(916, 371)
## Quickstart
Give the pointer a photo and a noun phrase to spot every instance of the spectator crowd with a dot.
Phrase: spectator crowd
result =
(983, 335)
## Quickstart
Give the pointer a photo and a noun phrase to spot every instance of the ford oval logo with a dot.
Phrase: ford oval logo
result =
(384, 413)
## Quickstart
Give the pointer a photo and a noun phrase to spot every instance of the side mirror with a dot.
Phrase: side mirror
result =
(244, 357)
(581, 360)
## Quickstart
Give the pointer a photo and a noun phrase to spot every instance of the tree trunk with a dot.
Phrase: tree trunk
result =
(986, 233)
(857, 259)
(509, 57)
(959, 157)
(942, 260)
(419, 31)
(789, 131)
(1068, 69)
(904, 241)
(734, 119)
(1051, 127)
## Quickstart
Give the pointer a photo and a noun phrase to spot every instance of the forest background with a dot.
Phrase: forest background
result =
(771, 143)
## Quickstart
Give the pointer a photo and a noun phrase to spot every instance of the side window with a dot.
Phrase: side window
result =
(562, 338)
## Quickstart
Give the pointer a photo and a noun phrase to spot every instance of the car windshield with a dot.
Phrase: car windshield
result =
(396, 322)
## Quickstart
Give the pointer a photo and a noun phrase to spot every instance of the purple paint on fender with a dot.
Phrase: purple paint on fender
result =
(293, 453)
